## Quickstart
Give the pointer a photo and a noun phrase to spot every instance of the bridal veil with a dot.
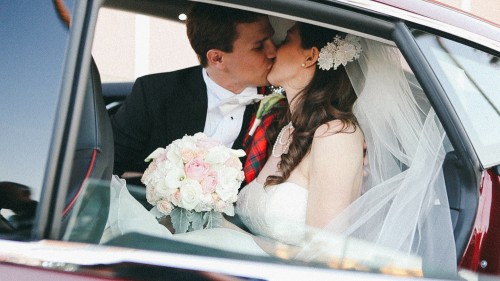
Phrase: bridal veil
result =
(404, 206)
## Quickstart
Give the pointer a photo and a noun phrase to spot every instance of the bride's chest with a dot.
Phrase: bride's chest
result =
(300, 175)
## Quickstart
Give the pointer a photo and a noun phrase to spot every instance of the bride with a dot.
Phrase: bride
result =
(342, 91)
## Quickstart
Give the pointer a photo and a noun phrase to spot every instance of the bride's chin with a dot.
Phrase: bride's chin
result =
(272, 81)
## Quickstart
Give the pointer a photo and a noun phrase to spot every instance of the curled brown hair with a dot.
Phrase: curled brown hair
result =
(328, 96)
(214, 27)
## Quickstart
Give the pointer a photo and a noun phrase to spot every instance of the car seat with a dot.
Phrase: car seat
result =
(93, 159)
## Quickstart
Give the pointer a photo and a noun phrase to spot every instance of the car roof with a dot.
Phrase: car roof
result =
(422, 13)
(443, 14)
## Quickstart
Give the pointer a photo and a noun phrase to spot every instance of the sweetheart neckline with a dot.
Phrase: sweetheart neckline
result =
(255, 182)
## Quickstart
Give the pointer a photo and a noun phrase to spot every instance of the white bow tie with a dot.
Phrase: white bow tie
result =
(235, 101)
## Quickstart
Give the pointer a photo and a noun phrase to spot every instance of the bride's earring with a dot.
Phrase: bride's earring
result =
(303, 65)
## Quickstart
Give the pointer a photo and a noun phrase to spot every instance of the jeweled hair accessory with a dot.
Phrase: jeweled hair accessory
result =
(339, 52)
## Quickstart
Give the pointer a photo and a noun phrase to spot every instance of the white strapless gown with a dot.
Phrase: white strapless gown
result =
(272, 212)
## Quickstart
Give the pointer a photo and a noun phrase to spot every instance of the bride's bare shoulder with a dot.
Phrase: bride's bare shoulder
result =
(334, 127)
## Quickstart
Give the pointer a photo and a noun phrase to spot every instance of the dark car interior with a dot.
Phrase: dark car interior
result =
(93, 157)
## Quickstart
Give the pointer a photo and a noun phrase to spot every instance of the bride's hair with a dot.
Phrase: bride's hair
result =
(328, 96)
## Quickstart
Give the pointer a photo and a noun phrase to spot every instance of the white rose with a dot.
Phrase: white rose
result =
(174, 154)
(206, 203)
(217, 155)
(170, 182)
(238, 152)
(188, 142)
(228, 185)
(199, 136)
(190, 195)
(155, 154)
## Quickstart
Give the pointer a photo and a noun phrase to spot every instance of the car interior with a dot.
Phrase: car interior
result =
(93, 159)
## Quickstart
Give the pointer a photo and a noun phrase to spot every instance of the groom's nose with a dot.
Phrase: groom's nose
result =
(270, 49)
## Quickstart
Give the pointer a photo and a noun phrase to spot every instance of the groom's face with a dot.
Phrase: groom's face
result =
(253, 54)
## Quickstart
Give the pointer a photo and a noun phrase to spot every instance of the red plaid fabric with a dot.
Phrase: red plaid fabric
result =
(256, 148)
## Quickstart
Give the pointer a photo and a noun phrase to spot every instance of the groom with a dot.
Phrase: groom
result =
(236, 53)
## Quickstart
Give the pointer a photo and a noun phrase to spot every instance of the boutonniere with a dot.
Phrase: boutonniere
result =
(266, 104)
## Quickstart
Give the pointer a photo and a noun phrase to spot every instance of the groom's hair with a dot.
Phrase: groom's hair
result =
(214, 27)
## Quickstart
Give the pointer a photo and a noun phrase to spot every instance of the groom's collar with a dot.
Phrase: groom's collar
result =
(221, 93)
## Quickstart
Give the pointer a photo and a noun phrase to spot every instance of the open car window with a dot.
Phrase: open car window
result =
(474, 94)
(89, 223)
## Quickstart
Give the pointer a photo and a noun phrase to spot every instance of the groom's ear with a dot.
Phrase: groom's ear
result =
(215, 58)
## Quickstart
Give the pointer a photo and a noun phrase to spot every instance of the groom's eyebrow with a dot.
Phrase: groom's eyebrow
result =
(269, 33)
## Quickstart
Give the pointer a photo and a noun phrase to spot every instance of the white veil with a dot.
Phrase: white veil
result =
(404, 205)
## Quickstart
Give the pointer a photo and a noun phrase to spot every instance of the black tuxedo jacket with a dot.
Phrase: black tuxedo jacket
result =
(160, 109)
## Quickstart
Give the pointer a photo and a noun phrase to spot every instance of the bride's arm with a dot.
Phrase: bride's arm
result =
(267, 245)
(334, 173)
(227, 224)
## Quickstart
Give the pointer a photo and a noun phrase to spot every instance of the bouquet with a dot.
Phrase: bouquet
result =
(194, 180)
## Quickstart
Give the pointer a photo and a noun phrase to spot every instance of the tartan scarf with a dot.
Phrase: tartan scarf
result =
(256, 146)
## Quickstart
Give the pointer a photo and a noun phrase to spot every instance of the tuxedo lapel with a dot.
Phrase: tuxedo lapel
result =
(187, 110)
(247, 117)
(196, 92)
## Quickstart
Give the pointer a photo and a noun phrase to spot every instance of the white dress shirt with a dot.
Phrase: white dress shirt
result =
(225, 126)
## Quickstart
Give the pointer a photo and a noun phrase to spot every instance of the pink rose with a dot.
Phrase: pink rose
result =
(149, 171)
(164, 207)
(209, 183)
(197, 169)
(176, 197)
(151, 195)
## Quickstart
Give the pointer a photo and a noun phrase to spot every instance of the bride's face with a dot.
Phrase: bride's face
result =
(287, 70)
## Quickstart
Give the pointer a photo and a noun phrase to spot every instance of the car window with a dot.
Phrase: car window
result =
(91, 206)
(470, 78)
(128, 45)
(34, 40)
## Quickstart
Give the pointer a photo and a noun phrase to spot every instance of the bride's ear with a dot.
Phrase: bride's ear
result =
(312, 56)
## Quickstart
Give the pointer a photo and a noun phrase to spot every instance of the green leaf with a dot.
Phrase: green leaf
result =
(197, 220)
(180, 220)
(212, 219)
(267, 103)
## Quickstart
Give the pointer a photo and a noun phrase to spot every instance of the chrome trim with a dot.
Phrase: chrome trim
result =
(421, 20)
